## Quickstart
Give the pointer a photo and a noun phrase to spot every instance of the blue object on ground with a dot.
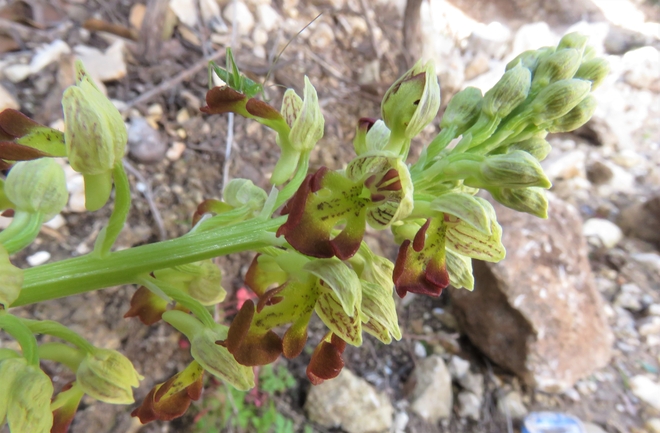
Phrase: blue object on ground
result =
(551, 422)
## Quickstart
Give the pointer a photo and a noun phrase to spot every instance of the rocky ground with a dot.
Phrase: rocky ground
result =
(569, 322)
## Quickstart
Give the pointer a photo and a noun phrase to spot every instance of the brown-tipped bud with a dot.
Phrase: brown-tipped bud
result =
(575, 118)
(558, 98)
(560, 65)
(539, 148)
(510, 91)
(594, 70)
(463, 110)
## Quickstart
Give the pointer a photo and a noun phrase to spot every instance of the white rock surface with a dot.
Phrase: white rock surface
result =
(653, 425)
(351, 403)
(268, 17)
(432, 396)
(47, 54)
(469, 405)
(642, 68)
(322, 36)
(646, 390)
(185, 11)
(602, 232)
(38, 258)
(103, 66)
(532, 37)
(511, 404)
(244, 18)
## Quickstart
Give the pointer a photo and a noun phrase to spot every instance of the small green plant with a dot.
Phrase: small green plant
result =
(237, 411)
(306, 232)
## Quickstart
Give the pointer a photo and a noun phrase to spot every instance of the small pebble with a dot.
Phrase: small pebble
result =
(38, 258)
(175, 151)
(56, 222)
(145, 143)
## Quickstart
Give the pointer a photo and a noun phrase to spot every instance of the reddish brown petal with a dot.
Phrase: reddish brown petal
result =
(422, 269)
(17, 152)
(146, 306)
(223, 99)
(63, 416)
(156, 407)
(15, 124)
(261, 109)
(366, 123)
(295, 337)
(270, 297)
(251, 347)
(326, 362)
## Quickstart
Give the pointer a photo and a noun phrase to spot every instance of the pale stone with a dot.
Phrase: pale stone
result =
(432, 396)
(653, 425)
(175, 151)
(38, 258)
(185, 11)
(511, 405)
(17, 73)
(136, 16)
(47, 54)
(642, 68)
(351, 403)
(322, 37)
(602, 232)
(244, 18)
(103, 66)
(469, 405)
(56, 223)
(646, 390)
(268, 17)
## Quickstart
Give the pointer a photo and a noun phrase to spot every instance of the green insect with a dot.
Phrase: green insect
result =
(238, 81)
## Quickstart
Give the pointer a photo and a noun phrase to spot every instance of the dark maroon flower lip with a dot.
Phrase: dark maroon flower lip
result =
(326, 362)
(420, 265)
(156, 407)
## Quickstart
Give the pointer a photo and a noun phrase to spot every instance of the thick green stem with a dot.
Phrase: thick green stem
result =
(89, 272)
(22, 334)
(62, 353)
(122, 205)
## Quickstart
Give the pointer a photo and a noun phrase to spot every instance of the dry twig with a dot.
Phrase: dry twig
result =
(149, 197)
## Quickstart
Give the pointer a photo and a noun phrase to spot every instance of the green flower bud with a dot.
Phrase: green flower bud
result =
(560, 65)
(594, 70)
(11, 281)
(530, 200)
(108, 376)
(377, 137)
(306, 122)
(538, 147)
(242, 192)
(515, 169)
(573, 40)
(558, 99)
(291, 106)
(510, 91)
(589, 53)
(95, 136)
(412, 102)
(530, 59)
(463, 110)
(28, 406)
(207, 288)
(307, 129)
(575, 118)
(37, 187)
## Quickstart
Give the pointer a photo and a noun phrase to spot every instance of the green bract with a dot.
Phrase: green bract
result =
(95, 136)
(12, 279)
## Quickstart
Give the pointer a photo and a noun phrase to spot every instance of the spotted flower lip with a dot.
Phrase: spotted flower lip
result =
(376, 188)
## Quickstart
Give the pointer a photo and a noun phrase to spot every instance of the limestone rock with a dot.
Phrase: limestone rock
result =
(7, 100)
(432, 396)
(538, 313)
(351, 403)
(642, 220)
(602, 232)
(511, 405)
(145, 143)
(646, 390)
(242, 14)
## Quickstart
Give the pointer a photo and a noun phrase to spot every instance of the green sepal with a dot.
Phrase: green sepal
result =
(378, 306)
(464, 239)
(341, 279)
(459, 268)
(465, 207)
